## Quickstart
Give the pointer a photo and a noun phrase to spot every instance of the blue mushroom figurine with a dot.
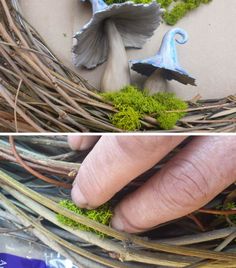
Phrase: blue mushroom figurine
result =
(164, 65)
(112, 29)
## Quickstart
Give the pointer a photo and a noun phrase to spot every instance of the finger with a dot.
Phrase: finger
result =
(191, 179)
(82, 142)
(115, 161)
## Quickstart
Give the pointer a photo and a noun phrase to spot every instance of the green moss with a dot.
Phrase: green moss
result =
(128, 97)
(170, 101)
(102, 215)
(180, 9)
(165, 3)
(133, 104)
(178, 12)
(229, 206)
(175, 9)
(167, 120)
(127, 119)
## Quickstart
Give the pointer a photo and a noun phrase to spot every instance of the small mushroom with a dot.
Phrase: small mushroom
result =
(112, 29)
(164, 65)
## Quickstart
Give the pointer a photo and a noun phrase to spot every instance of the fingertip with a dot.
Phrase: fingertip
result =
(78, 197)
(81, 142)
(74, 142)
(117, 223)
(121, 223)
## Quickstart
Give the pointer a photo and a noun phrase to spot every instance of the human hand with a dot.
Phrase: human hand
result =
(200, 171)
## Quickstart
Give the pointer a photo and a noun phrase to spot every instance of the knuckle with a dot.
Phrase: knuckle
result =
(189, 182)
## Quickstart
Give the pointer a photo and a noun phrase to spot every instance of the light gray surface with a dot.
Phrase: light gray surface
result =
(210, 54)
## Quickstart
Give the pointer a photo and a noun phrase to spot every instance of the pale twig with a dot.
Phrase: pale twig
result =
(8, 231)
(6, 179)
(199, 237)
(50, 239)
(16, 99)
(124, 253)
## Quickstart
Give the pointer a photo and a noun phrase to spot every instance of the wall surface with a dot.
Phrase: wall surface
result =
(210, 54)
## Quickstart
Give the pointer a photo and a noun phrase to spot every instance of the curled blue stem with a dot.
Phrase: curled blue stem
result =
(168, 50)
(181, 33)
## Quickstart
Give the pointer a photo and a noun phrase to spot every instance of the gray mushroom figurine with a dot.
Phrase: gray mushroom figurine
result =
(112, 29)
(164, 65)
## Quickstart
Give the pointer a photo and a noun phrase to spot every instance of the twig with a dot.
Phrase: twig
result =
(16, 99)
(8, 231)
(34, 172)
(198, 238)
(53, 240)
(40, 158)
(111, 232)
(124, 254)
(218, 212)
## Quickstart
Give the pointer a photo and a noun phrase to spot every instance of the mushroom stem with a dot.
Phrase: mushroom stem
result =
(156, 82)
(117, 72)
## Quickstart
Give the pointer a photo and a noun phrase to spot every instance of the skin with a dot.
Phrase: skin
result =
(200, 171)
(82, 143)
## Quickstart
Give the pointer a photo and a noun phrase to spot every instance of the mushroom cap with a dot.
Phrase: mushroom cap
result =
(135, 22)
(166, 60)
(147, 67)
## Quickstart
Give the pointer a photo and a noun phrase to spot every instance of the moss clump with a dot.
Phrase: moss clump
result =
(167, 121)
(165, 3)
(127, 119)
(175, 9)
(129, 96)
(180, 9)
(102, 215)
(133, 104)
(229, 206)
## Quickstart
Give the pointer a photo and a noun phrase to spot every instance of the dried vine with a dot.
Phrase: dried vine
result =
(25, 198)
(39, 94)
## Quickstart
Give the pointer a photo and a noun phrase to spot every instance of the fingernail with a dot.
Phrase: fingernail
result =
(78, 197)
(117, 223)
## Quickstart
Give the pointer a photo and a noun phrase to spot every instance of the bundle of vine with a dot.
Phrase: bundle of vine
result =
(39, 94)
(36, 174)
